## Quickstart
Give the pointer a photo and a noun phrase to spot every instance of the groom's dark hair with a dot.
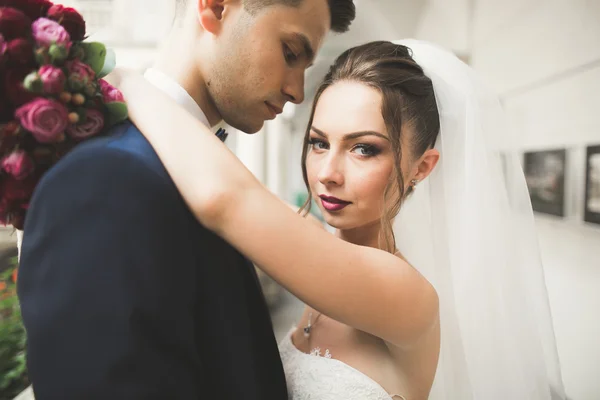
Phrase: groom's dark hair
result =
(342, 12)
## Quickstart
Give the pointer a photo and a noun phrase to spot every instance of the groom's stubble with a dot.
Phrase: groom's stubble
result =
(234, 71)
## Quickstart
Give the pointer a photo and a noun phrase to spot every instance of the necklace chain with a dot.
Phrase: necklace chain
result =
(309, 325)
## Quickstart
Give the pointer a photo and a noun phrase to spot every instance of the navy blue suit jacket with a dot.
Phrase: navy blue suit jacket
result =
(125, 295)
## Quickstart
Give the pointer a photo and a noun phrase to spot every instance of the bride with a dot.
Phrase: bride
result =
(432, 285)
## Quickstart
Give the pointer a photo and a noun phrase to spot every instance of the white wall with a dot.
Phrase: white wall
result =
(544, 59)
(447, 23)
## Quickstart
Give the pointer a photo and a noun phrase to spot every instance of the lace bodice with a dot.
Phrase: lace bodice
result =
(318, 377)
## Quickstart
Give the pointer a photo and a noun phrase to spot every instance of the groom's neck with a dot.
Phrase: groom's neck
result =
(187, 74)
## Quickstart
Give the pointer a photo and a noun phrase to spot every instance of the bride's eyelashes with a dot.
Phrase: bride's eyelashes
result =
(317, 144)
(366, 150)
(362, 149)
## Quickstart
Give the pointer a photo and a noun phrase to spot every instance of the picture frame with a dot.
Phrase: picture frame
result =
(545, 173)
(592, 185)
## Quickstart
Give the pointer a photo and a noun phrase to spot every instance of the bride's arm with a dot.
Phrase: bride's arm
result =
(363, 287)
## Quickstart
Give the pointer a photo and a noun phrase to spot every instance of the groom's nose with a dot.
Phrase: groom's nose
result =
(293, 87)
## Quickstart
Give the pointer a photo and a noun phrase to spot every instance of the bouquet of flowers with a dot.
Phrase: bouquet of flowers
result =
(52, 95)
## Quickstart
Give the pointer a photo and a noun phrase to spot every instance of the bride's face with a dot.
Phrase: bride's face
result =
(350, 159)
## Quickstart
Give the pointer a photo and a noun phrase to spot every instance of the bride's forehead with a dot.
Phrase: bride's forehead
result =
(349, 107)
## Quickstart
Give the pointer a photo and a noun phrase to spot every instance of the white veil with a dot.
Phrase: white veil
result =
(469, 229)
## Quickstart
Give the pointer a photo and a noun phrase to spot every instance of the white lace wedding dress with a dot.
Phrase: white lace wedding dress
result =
(317, 376)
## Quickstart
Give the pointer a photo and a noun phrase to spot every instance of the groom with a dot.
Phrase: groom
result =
(124, 295)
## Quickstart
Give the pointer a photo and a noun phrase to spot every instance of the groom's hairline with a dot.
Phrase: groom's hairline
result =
(252, 6)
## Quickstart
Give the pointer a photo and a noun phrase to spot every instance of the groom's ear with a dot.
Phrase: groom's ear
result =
(210, 14)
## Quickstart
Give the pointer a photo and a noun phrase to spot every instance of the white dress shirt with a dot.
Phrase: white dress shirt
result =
(179, 94)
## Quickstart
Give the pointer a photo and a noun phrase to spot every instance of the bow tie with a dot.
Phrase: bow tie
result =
(222, 134)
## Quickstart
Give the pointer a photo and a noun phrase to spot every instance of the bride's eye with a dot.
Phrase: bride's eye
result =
(317, 144)
(366, 150)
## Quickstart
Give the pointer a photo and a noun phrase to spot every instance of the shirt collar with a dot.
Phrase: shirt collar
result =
(179, 94)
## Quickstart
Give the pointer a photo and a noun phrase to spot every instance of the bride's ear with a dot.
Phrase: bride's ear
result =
(210, 14)
(426, 164)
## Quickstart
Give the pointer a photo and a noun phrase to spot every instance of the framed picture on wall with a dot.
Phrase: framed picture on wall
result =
(545, 175)
(592, 185)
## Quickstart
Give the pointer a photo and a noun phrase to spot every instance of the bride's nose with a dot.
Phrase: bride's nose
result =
(332, 170)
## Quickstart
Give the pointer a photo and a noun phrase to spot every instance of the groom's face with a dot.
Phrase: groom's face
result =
(260, 61)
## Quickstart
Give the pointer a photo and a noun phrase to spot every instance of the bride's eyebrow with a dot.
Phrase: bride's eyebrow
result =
(353, 135)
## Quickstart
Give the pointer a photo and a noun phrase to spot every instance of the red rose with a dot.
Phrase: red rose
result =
(110, 93)
(20, 51)
(46, 119)
(93, 124)
(32, 8)
(13, 23)
(18, 164)
(16, 195)
(15, 91)
(9, 136)
(14, 190)
(3, 46)
(70, 19)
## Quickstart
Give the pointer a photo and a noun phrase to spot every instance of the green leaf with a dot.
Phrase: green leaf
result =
(95, 55)
(109, 63)
(117, 112)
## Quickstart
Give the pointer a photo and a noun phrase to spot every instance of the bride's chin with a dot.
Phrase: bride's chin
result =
(336, 222)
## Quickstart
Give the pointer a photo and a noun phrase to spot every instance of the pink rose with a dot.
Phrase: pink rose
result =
(53, 79)
(18, 164)
(110, 93)
(79, 71)
(46, 119)
(93, 124)
(47, 32)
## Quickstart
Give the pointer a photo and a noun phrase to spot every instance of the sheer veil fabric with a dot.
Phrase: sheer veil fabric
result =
(469, 229)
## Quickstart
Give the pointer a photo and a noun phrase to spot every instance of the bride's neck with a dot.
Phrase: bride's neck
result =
(366, 235)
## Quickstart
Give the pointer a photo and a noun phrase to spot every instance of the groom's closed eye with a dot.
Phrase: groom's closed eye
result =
(299, 44)
(288, 53)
